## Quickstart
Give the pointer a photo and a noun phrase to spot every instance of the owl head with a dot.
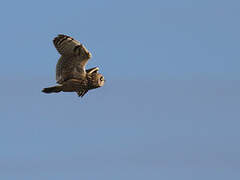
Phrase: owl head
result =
(96, 80)
(100, 80)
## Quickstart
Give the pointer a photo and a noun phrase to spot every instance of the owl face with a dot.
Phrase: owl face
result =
(100, 79)
(95, 80)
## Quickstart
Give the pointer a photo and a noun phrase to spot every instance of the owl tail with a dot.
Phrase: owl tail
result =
(54, 89)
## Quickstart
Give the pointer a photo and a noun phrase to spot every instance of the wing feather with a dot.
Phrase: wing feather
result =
(74, 58)
(71, 48)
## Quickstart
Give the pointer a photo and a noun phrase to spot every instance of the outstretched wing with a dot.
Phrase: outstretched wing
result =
(71, 48)
(73, 60)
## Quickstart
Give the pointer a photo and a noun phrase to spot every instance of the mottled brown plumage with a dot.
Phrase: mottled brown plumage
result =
(71, 74)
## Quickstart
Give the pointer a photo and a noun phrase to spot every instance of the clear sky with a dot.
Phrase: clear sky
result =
(170, 106)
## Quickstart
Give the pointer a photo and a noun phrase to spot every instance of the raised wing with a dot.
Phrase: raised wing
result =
(71, 48)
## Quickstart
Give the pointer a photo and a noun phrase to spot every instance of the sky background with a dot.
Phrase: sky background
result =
(170, 106)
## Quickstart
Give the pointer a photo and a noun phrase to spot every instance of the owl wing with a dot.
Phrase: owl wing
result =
(92, 70)
(74, 57)
(81, 93)
(68, 68)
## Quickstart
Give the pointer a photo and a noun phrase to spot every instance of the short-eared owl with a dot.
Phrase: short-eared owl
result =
(71, 74)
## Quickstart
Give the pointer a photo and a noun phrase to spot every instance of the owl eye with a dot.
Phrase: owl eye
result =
(101, 79)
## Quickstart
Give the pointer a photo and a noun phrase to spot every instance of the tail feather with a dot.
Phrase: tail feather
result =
(54, 89)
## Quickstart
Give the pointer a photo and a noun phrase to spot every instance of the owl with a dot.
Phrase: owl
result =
(71, 73)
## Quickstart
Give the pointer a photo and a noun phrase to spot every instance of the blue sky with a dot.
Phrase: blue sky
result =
(170, 106)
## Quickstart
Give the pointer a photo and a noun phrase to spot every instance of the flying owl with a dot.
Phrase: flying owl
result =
(71, 74)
